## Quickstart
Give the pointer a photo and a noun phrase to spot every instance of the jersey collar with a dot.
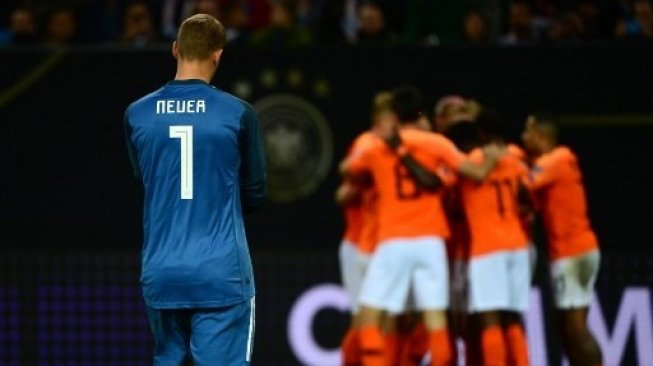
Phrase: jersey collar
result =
(187, 81)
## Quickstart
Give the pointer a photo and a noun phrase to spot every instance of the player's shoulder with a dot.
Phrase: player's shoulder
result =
(366, 138)
(563, 153)
(368, 141)
(476, 155)
(559, 155)
(142, 102)
(515, 159)
(230, 101)
(516, 151)
(422, 137)
(440, 140)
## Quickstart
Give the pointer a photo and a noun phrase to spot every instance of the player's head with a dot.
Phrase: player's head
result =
(381, 105)
(465, 135)
(383, 116)
(492, 126)
(200, 39)
(540, 133)
(451, 109)
(407, 103)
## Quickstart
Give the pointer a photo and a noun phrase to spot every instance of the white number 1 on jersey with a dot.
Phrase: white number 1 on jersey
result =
(185, 134)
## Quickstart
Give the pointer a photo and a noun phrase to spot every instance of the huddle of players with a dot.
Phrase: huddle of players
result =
(431, 216)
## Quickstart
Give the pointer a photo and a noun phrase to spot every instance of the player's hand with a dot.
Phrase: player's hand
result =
(494, 151)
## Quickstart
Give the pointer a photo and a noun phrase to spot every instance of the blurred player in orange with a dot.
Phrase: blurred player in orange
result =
(573, 247)
(412, 229)
(358, 199)
(499, 273)
(465, 135)
(454, 116)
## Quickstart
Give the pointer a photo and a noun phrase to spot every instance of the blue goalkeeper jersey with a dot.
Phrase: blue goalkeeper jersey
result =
(199, 154)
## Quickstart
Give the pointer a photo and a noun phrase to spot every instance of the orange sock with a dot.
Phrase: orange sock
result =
(493, 346)
(392, 347)
(372, 346)
(351, 351)
(440, 347)
(416, 346)
(517, 345)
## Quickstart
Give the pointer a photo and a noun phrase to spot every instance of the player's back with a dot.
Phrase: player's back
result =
(187, 140)
(404, 209)
(558, 183)
(492, 207)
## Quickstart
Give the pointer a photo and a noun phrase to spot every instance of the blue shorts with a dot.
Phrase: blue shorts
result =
(208, 337)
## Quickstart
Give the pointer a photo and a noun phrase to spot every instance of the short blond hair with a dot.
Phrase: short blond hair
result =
(199, 36)
(382, 103)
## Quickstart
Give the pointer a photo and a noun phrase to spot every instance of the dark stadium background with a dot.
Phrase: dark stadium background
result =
(70, 208)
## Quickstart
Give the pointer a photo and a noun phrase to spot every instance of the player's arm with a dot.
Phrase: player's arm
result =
(478, 172)
(542, 174)
(354, 171)
(131, 149)
(422, 176)
(356, 166)
(253, 174)
(347, 193)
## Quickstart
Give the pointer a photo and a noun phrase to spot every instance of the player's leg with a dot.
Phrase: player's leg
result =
(431, 289)
(519, 279)
(457, 314)
(579, 344)
(410, 335)
(491, 338)
(352, 270)
(371, 338)
(385, 288)
(473, 350)
(347, 261)
(574, 279)
(392, 325)
(488, 295)
(223, 336)
(515, 338)
(416, 345)
(171, 333)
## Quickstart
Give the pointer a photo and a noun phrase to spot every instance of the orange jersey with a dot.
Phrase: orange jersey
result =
(405, 210)
(525, 217)
(353, 214)
(370, 229)
(491, 206)
(363, 223)
(558, 186)
(516, 151)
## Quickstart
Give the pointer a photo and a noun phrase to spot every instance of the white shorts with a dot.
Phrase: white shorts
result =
(353, 265)
(573, 279)
(401, 265)
(500, 281)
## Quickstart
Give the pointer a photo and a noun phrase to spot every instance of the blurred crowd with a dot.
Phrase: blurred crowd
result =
(301, 23)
